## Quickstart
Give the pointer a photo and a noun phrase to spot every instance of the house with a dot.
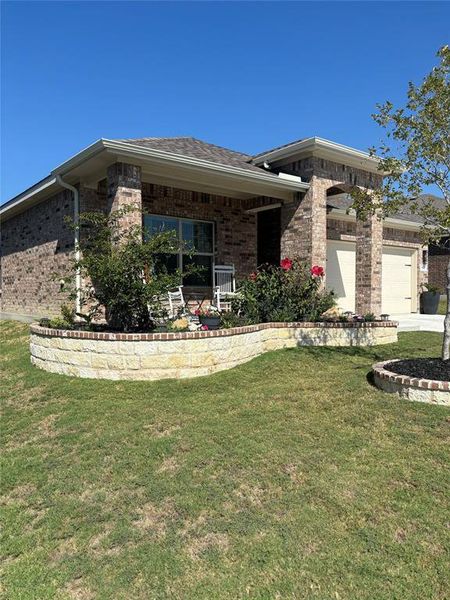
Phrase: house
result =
(238, 209)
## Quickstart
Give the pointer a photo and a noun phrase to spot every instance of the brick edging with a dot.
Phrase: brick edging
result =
(426, 384)
(193, 335)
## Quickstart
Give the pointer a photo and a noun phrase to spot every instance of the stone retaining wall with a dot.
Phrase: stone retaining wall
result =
(412, 388)
(191, 354)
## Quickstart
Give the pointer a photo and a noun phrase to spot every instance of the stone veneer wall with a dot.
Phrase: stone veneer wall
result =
(235, 229)
(154, 356)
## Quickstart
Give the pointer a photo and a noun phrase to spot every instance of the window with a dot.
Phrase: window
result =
(196, 236)
(424, 260)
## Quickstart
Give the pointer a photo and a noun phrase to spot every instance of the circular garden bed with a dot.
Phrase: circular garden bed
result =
(419, 379)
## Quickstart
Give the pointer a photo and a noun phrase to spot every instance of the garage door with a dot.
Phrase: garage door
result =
(396, 296)
(340, 273)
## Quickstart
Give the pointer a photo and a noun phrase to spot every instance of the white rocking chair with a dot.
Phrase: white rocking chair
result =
(176, 301)
(224, 285)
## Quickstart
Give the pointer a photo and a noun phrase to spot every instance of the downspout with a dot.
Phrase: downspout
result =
(76, 223)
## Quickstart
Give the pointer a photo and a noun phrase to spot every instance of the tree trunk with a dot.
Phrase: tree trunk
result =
(446, 343)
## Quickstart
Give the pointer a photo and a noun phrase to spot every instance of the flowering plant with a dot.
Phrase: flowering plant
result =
(286, 264)
(288, 292)
(317, 271)
(209, 311)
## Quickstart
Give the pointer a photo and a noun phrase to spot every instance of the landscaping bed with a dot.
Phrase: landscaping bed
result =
(411, 379)
(422, 368)
(102, 355)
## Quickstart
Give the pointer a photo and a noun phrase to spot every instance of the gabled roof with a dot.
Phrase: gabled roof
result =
(316, 146)
(278, 148)
(190, 146)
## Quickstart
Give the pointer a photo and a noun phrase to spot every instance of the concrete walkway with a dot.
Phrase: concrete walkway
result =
(416, 322)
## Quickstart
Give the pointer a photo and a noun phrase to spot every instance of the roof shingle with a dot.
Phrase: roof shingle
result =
(190, 146)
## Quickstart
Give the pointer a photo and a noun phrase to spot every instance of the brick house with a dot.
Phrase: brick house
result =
(242, 210)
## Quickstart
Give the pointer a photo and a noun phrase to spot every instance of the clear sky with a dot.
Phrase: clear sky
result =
(245, 75)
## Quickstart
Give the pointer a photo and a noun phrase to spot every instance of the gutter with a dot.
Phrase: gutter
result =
(76, 222)
(315, 143)
(179, 159)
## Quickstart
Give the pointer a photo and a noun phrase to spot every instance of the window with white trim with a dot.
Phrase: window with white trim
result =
(196, 237)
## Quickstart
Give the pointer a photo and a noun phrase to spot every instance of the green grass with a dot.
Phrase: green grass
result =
(288, 477)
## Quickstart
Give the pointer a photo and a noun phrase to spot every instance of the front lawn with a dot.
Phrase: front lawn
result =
(287, 477)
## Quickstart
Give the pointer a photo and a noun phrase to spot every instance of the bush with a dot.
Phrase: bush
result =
(129, 280)
(290, 292)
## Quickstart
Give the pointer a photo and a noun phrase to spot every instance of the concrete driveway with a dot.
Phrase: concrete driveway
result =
(417, 322)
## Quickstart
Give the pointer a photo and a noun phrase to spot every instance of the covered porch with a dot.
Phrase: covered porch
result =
(228, 216)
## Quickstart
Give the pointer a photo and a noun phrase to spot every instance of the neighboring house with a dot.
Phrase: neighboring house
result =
(238, 209)
(439, 254)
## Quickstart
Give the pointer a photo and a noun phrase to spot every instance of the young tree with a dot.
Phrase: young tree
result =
(416, 154)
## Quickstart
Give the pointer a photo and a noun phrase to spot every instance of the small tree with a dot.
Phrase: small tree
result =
(124, 270)
(420, 135)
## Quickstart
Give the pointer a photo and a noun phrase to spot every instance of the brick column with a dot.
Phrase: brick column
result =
(369, 248)
(124, 188)
(304, 225)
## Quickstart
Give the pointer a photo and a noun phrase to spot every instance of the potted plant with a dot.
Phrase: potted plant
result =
(209, 317)
(429, 299)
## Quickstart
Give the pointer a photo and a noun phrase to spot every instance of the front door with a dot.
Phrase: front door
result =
(269, 236)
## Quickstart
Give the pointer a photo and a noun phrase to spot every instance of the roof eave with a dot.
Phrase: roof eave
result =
(122, 149)
(317, 145)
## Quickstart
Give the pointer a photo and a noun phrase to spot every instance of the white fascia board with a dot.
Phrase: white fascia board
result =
(132, 150)
(316, 144)
(350, 215)
(27, 194)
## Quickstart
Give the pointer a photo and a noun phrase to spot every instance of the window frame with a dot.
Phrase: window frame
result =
(180, 254)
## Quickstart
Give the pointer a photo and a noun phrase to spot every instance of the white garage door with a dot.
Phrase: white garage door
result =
(396, 296)
(340, 273)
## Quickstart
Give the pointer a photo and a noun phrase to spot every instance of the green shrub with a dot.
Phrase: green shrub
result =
(368, 317)
(127, 271)
(230, 319)
(290, 292)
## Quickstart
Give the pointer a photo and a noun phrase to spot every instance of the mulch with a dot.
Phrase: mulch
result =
(423, 368)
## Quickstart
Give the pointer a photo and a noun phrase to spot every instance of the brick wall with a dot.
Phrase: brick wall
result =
(35, 244)
(235, 230)
(437, 270)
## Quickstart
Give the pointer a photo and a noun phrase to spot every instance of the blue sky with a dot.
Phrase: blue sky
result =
(245, 75)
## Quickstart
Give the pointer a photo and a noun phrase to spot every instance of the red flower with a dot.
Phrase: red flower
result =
(253, 276)
(204, 327)
(197, 312)
(286, 264)
(317, 271)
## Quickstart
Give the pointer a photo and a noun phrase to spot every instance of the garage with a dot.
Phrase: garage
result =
(397, 276)
(340, 272)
